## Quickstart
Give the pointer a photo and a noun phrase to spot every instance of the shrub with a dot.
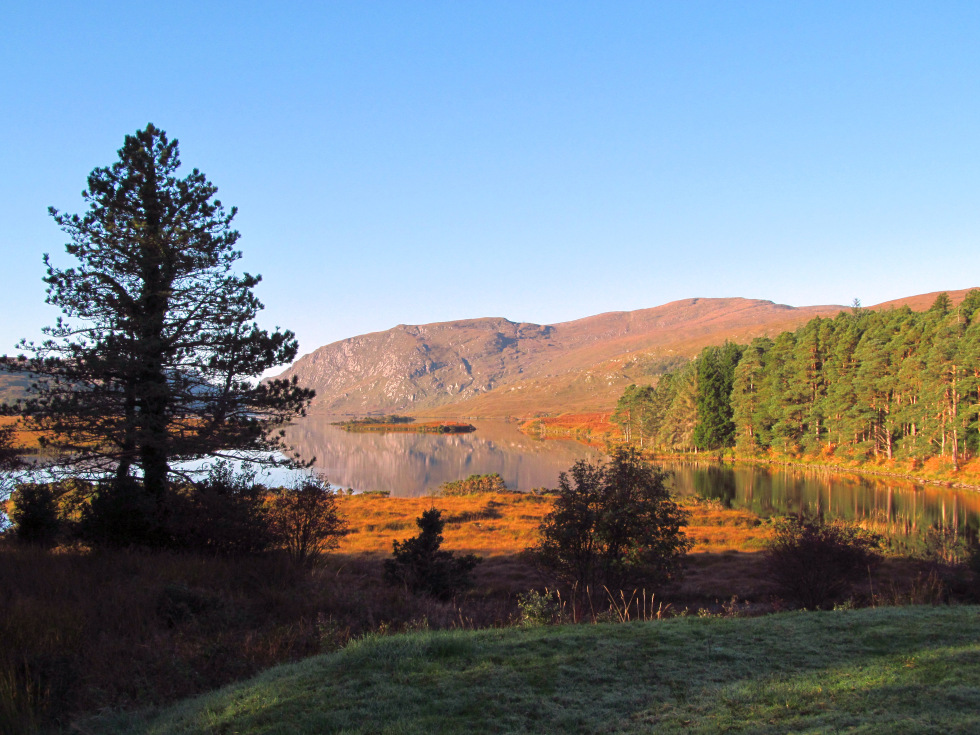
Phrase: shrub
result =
(473, 485)
(224, 513)
(120, 515)
(423, 568)
(305, 519)
(535, 608)
(46, 514)
(814, 562)
(613, 524)
(33, 511)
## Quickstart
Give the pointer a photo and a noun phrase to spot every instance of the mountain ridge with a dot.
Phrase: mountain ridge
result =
(493, 367)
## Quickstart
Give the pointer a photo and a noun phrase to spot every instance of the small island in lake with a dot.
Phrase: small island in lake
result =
(404, 423)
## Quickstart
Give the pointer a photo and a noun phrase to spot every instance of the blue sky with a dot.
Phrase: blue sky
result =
(410, 162)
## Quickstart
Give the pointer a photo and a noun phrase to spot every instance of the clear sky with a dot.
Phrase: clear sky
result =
(410, 162)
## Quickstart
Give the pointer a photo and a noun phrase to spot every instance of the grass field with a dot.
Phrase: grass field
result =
(502, 524)
(888, 670)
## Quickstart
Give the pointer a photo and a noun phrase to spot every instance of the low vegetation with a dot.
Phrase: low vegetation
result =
(368, 420)
(814, 562)
(595, 429)
(474, 484)
(428, 427)
(912, 670)
(125, 628)
(420, 566)
(224, 513)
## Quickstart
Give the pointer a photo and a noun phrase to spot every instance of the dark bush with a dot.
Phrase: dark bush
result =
(423, 568)
(948, 555)
(814, 562)
(121, 515)
(613, 524)
(224, 513)
(33, 511)
(305, 519)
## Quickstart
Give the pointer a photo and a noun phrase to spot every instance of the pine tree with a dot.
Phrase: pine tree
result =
(840, 369)
(628, 413)
(747, 395)
(969, 356)
(422, 567)
(156, 356)
(785, 407)
(677, 430)
(716, 375)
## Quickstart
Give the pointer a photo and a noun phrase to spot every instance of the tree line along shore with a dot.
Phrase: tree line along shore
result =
(893, 392)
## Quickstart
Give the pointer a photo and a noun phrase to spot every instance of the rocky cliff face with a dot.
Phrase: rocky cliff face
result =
(414, 368)
(496, 367)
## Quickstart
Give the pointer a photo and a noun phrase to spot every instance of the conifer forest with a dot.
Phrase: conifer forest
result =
(895, 384)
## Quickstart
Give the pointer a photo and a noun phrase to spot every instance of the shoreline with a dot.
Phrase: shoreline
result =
(712, 457)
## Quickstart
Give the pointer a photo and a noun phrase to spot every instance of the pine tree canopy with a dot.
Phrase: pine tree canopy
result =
(157, 354)
(880, 384)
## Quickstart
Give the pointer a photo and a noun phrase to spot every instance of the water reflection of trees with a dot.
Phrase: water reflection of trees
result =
(894, 507)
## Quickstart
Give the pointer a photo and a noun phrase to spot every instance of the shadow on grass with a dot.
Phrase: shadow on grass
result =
(884, 670)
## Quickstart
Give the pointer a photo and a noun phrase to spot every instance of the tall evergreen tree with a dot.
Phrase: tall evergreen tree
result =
(747, 396)
(840, 369)
(630, 410)
(156, 356)
(715, 377)
(786, 407)
(677, 430)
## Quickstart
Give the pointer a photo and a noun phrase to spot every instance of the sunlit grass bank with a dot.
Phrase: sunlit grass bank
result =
(889, 670)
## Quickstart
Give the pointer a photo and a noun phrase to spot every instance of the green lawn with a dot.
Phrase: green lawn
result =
(887, 670)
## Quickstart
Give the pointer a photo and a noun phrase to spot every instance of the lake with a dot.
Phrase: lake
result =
(409, 464)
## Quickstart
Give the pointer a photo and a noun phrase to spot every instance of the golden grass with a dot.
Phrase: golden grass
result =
(503, 524)
(23, 438)
(590, 428)
(492, 524)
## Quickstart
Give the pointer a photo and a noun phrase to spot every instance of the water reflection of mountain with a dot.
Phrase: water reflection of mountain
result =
(892, 506)
(409, 464)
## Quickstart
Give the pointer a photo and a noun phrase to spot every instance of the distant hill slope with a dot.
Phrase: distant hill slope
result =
(495, 367)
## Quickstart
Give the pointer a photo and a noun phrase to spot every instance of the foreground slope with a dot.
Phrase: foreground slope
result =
(888, 670)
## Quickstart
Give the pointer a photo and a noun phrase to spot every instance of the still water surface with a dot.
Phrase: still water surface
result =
(409, 464)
